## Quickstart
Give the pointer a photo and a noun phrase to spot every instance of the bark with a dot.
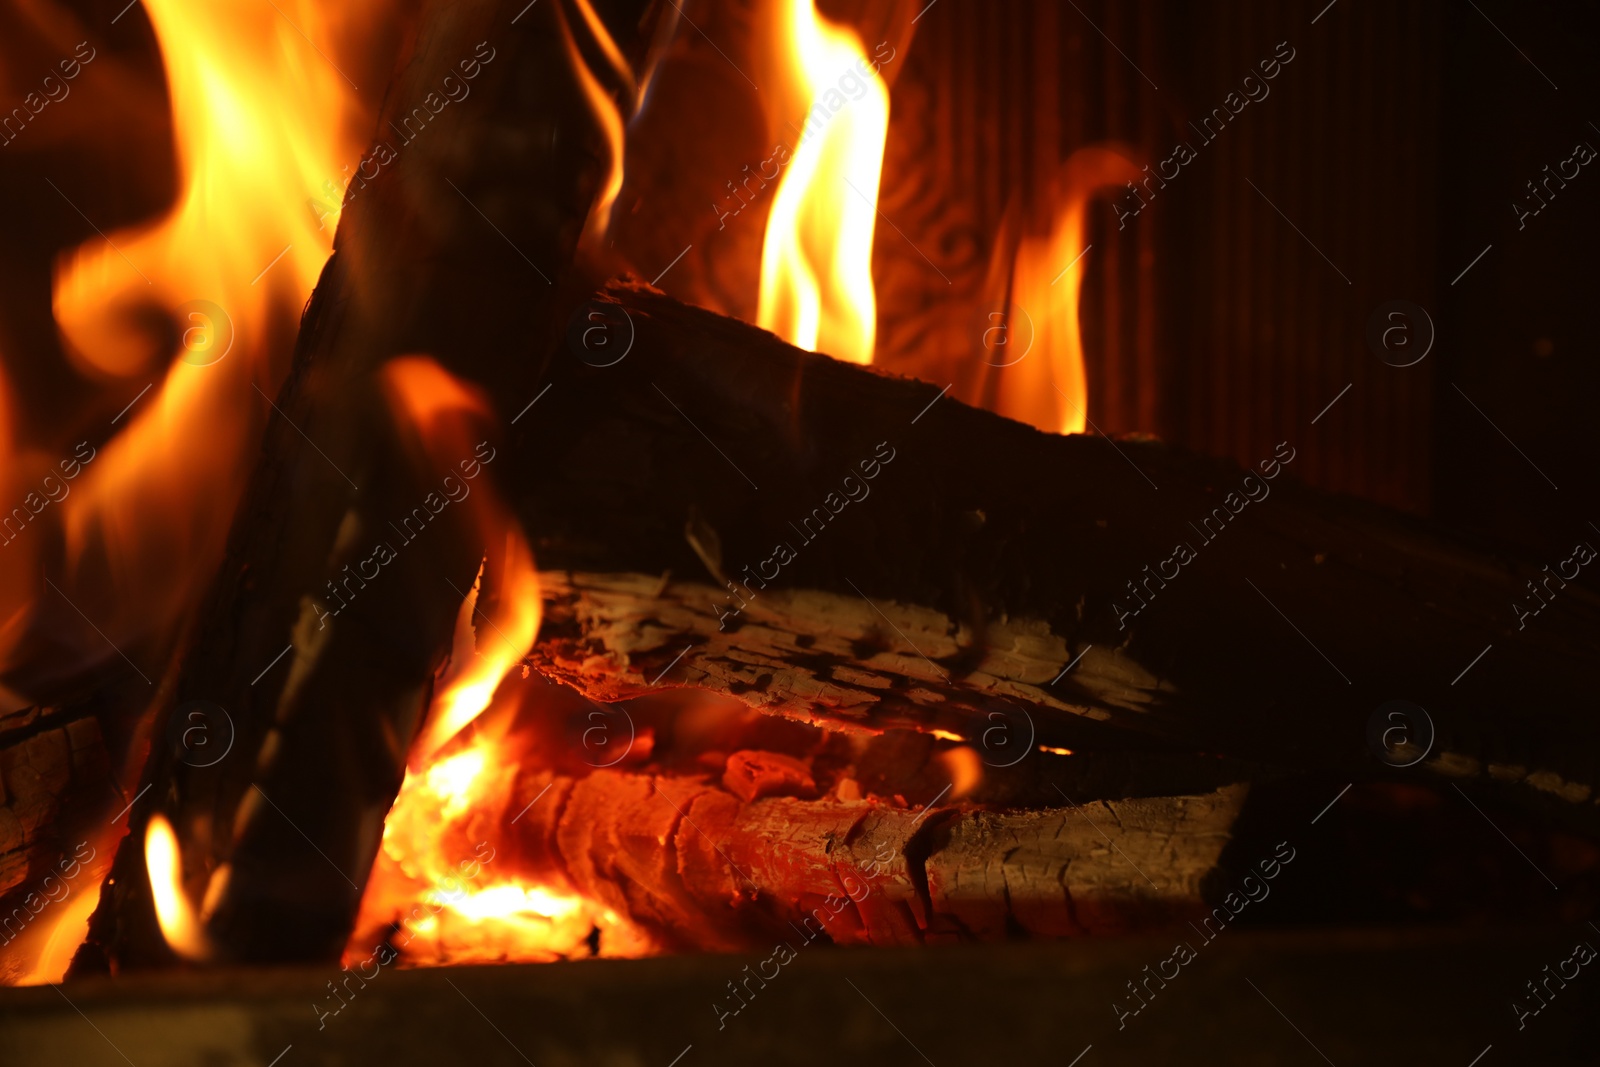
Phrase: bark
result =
(494, 191)
(59, 809)
(702, 867)
(695, 496)
(53, 769)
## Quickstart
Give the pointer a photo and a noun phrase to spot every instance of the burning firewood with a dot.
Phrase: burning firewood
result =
(721, 510)
(711, 507)
(737, 870)
(329, 555)
(685, 837)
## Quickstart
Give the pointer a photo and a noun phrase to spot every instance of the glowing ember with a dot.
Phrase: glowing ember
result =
(965, 769)
(816, 263)
(440, 892)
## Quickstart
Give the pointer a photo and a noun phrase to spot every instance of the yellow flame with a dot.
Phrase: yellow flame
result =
(509, 900)
(69, 931)
(427, 877)
(470, 686)
(446, 414)
(1048, 386)
(816, 262)
(603, 106)
(179, 923)
(451, 780)
(455, 902)
(259, 115)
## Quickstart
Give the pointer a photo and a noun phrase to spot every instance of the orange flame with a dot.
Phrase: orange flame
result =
(445, 889)
(1047, 385)
(179, 923)
(260, 114)
(435, 893)
(440, 409)
(816, 262)
(603, 106)
(965, 769)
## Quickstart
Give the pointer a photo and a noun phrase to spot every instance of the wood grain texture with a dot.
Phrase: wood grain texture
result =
(698, 458)
(495, 192)
(702, 869)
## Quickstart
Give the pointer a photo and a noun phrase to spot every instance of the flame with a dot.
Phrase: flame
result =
(602, 105)
(438, 897)
(1047, 385)
(68, 932)
(179, 923)
(447, 414)
(260, 115)
(437, 893)
(816, 262)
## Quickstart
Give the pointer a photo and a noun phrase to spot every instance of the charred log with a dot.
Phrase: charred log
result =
(284, 830)
(715, 508)
(701, 864)
(832, 543)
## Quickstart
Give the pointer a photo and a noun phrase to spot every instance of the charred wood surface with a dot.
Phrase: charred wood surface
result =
(496, 190)
(710, 865)
(833, 543)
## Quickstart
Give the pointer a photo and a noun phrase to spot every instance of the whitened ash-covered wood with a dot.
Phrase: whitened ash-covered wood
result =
(829, 659)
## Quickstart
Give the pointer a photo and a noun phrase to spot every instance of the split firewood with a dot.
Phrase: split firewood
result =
(322, 670)
(54, 769)
(832, 543)
(880, 555)
(698, 863)
(58, 806)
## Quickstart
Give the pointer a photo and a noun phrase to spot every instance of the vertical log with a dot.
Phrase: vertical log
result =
(279, 835)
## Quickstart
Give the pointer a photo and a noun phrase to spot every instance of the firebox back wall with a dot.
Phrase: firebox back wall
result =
(1229, 311)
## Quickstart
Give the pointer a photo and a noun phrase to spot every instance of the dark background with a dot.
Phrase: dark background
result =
(1396, 142)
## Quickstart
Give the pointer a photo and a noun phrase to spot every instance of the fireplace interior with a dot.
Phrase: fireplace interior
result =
(684, 531)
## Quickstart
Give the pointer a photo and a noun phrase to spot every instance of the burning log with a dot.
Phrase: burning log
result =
(690, 862)
(275, 838)
(58, 809)
(53, 770)
(885, 875)
(715, 508)
(831, 543)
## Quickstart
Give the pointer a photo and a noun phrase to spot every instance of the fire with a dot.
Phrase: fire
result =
(443, 892)
(601, 104)
(446, 415)
(179, 923)
(1047, 385)
(261, 118)
(816, 262)
(440, 891)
